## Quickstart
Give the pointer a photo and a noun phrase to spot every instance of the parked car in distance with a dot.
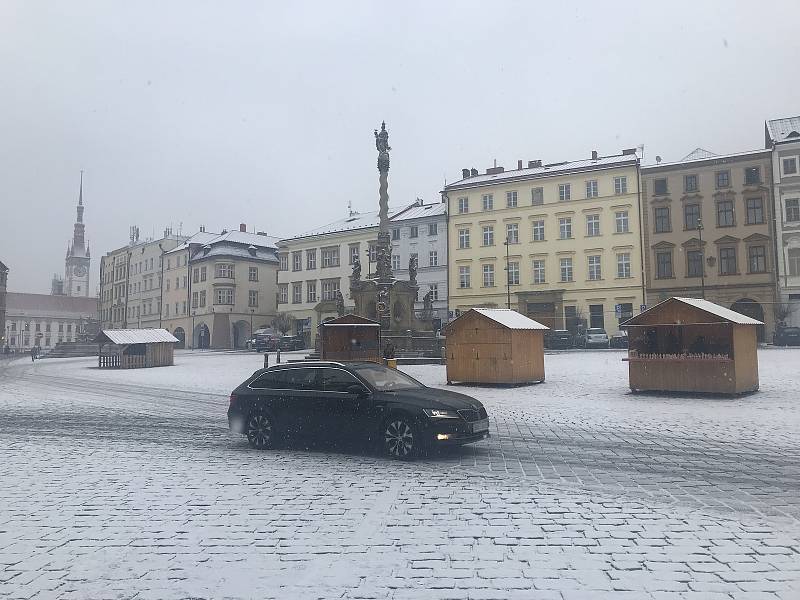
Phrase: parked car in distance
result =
(786, 336)
(291, 342)
(594, 337)
(619, 340)
(265, 340)
(356, 402)
(558, 339)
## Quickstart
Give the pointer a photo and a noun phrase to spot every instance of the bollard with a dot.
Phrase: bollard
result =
(266, 360)
(278, 356)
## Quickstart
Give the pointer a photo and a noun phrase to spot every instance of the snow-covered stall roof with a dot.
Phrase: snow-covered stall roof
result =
(509, 318)
(134, 336)
(708, 307)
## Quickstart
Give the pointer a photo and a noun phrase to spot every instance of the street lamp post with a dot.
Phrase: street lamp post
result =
(252, 311)
(702, 259)
(508, 276)
(369, 262)
(194, 312)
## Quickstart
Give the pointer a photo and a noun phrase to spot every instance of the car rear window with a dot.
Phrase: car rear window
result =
(595, 331)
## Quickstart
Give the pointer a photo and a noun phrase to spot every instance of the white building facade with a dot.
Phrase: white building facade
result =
(782, 136)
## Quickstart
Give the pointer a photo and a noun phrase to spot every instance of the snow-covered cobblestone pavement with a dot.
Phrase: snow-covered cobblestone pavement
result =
(127, 484)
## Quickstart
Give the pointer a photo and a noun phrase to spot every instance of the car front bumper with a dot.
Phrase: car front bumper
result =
(444, 432)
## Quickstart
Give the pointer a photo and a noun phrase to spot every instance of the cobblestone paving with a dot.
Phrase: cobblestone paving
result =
(120, 491)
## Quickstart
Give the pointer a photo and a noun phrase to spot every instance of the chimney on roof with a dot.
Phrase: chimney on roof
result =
(243, 227)
(252, 250)
(262, 233)
(494, 170)
(203, 228)
(627, 151)
(594, 154)
(464, 173)
(532, 164)
(519, 165)
(473, 172)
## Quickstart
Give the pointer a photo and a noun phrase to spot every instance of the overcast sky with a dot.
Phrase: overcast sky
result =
(215, 113)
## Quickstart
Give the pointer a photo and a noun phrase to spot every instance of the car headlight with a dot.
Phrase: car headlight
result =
(436, 413)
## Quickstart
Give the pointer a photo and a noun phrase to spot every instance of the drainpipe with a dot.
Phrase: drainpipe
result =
(127, 290)
(642, 256)
(161, 286)
(446, 200)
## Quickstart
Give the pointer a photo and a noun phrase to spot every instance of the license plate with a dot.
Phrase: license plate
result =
(480, 426)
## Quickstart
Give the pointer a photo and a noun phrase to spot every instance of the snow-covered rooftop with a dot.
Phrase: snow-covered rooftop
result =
(784, 130)
(135, 336)
(419, 211)
(548, 170)
(708, 307)
(715, 157)
(699, 153)
(509, 318)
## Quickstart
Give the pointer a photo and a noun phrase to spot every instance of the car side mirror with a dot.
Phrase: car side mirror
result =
(357, 390)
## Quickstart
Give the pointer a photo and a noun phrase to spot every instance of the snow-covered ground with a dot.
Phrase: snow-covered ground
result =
(127, 484)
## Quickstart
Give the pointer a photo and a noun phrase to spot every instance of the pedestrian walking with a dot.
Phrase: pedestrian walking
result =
(33, 354)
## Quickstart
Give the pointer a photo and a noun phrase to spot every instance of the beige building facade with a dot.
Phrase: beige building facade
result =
(219, 288)
(708, 229)
(573, 257)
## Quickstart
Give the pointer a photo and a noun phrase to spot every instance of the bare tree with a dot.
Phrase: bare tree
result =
(283, 322)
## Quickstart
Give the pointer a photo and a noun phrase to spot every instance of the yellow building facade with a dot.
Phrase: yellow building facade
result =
(573, 257)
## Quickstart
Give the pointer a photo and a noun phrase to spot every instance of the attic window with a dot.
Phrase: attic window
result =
(793, 134)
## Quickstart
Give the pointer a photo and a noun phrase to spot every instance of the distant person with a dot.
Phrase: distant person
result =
(388, 350)
(33, 354)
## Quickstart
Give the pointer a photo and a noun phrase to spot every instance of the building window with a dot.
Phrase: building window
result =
(624, 265)
(463, 277)
(757, 259)
(511, 199)
(794, 261)
(222, 271)
(592, 225)
(203, 273)
(311, 291)
(202, 299)
(664, 264)
(513, 273)
(725, 213)
(311, 259)
(488, 275)
(691, 216)
(434, 287)
(789, 166)
(433, 258)
(690, 183)
(330, 257)
(195, 299)
(727, 261)
(660, 187)
(591, 188)
(538, 230)
(463, 206)
(595, 272)
(565, 228)
(566, 269)
(463, 238)
(596, 316)
(564, 191)
(663, 224)
(755, 211)
(283, 293)
(537, 196)
(538, 271)
(752, 176)
(621, 221)
(723, 179)
(395, 262)
(297, 260)
(694, 263)
(297, 293)
(395, 233)
(488, 235)
(252, 298)
(353, 251)
(330, 289)
(252, 273)
(488, 202)
(793, 209)
(512, 233)
(224, 296)
(433, 228)
(195, 275)
(283, 262)
(620, 185)
(373, 253)
(414, 231)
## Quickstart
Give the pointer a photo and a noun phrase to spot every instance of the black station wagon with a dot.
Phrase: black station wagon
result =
(353, 401)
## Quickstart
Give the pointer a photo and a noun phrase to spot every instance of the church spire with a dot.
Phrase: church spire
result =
(80, 200)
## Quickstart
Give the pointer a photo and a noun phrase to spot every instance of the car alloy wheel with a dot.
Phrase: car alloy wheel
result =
(260, 432)
(398, 437)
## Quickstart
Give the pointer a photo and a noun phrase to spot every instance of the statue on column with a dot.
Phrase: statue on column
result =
(412, 269)
(339, 303)
(382, 145)
(356, 275)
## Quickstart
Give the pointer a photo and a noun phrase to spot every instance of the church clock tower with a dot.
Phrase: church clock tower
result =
(76, 264)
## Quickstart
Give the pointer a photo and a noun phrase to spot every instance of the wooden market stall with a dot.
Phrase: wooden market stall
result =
(135, 348)
(350, 338)
(495, 345)
(692, 345)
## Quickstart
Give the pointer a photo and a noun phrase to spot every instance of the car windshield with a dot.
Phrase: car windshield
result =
(383, 379)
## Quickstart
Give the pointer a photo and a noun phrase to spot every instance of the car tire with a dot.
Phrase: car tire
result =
(261, 430)
(400, 438)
